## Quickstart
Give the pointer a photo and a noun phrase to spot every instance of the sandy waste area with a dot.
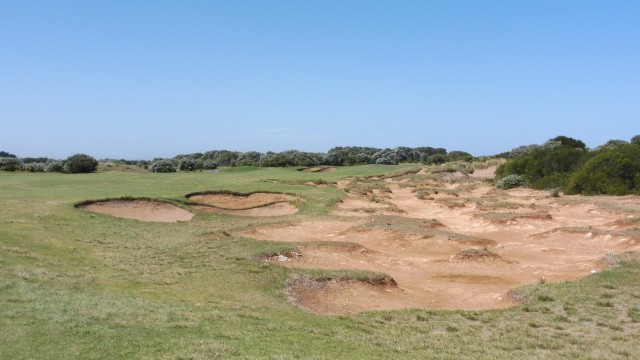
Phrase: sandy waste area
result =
(449, 241)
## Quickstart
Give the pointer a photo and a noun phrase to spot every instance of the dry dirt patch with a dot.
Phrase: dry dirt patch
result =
(143, 210)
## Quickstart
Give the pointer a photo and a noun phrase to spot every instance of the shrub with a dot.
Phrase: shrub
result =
(53, 166)
(80, 163)
(436, 159)
(221, 157)
(510, 181)
(389, 160)
(245, 162)
(612, 171)
(459, 155)
(554, 192)
(209, 164)
(162, 166)
(35, 167)
(187, 164)
(10, 164)
(546, 166)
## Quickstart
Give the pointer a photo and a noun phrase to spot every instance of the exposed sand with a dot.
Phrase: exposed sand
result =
(435, 249)
(320, 169)
(278, 209)
(488, 173)
(142, 210)
(239, 202)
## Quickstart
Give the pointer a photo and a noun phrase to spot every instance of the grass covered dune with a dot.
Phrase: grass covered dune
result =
(74, 284)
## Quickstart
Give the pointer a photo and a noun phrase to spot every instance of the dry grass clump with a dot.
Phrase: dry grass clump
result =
(366, 187)
(477, 254)
(501, 218)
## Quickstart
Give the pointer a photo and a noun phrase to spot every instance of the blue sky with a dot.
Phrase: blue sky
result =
(144, 79)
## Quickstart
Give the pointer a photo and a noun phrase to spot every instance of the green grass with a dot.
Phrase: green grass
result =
(79, 285)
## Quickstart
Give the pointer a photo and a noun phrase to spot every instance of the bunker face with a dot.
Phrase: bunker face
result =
(256, 204)
(320, 169)
(464, 248)
(279, 209)
(239, 202)
(142, 210)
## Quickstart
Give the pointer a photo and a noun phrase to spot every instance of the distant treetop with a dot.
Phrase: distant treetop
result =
(7, 155)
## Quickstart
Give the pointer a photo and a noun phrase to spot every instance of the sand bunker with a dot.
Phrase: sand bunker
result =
(278, 209)
(319, 169)
(466, 256)
(237, 201)
(334, 297)
(254, 204)
(143, 210)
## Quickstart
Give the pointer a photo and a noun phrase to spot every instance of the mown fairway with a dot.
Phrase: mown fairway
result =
(74, 284)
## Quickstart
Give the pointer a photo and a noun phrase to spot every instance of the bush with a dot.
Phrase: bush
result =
(546, 166)
(10, 164)
(187, 164)
(436, 159)
(162, 166)
(80, 164)
(612, 171)
(246, 162)
(54, 166)
(510, 182)
(209, 164)
(460, 155)
(34, 167)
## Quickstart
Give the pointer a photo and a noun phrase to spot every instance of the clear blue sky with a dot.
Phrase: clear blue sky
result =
(143, 79)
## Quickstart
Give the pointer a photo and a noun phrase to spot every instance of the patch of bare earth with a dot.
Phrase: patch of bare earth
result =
(466, 256)
(142, 210)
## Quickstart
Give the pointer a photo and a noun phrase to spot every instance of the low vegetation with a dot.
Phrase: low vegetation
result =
(80, 164)
(566, 164)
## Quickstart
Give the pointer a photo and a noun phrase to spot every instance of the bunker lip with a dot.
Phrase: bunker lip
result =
(231, 200)
(319, 169)
(333, 295)
(275, 209)
(256, 203)
(141, 209)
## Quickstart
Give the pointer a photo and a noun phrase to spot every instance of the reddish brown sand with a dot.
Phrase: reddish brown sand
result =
(278, 209)
(236, 202)
(140, 210)
(320, 169)
(529, 236)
